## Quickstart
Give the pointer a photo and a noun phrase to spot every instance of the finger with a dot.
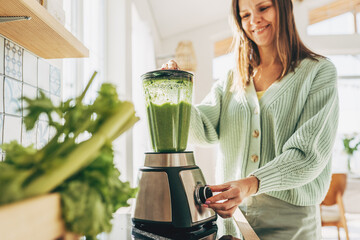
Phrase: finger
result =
(224, 206)
(219, 188)
(173, 65)
(228, 194)
(172, 62)
(233, 192)
(228, 237)
(226, 214)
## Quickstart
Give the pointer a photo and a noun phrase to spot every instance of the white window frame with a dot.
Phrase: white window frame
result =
(117, 66)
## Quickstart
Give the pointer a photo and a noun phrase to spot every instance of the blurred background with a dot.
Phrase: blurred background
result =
(127, 38)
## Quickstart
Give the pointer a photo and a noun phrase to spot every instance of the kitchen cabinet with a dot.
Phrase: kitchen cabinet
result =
(42, 35)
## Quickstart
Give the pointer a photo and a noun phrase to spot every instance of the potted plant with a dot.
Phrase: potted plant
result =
(351, 144)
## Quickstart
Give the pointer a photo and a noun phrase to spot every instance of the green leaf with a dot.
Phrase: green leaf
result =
(20, 156)
(347, 141)
(91, 197)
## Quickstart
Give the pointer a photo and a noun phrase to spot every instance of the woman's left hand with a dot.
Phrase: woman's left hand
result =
(233, 193)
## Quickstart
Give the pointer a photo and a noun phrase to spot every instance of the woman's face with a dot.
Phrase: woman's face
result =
(258, 19)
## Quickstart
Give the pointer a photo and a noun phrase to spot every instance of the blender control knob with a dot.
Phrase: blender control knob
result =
(202, 193)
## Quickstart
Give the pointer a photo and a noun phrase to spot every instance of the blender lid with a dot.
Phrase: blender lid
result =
(167, 74)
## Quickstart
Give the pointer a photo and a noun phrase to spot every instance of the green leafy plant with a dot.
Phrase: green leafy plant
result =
(349, 146)
(83, 172)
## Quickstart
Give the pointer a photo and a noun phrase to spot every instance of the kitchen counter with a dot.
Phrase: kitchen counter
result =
(123, 230)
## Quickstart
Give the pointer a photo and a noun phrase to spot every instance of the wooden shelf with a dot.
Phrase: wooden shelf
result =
(42, 34)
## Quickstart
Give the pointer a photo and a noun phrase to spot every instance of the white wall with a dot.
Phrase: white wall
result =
(203, 40)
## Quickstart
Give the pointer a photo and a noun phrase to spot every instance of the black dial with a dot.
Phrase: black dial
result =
(202, 193)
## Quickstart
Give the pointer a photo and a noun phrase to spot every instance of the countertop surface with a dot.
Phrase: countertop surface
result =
(123, 229)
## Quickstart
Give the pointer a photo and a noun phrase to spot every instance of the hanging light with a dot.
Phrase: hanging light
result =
(185, 56)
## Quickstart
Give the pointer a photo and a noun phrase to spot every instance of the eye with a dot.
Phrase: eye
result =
(245, 16)
(263, 8)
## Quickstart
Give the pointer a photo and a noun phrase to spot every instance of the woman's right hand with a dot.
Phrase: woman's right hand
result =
(170, 65)
(231, 195)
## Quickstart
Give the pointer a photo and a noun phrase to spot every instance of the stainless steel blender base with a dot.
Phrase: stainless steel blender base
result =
(166, 194)
(153, 201)
(191, 179)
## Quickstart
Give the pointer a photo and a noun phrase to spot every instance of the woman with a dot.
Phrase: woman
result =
(275, 117)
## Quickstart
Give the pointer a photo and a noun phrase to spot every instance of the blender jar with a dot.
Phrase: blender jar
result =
(168, 95)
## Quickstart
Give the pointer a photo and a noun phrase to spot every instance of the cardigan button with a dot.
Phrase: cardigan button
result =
(255, 133)
(254, 158)
(256, 111)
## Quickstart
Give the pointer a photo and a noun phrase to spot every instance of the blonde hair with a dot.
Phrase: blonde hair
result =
(291, 50)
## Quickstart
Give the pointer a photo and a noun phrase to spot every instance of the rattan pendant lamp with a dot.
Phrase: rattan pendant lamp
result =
(185, 56)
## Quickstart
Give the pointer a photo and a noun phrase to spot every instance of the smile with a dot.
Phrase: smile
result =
(260, 29)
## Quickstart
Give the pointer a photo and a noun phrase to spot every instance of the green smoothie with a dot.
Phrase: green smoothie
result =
(169, 126)
(168, 95)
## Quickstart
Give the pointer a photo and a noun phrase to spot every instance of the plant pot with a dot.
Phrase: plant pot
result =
(353, 165)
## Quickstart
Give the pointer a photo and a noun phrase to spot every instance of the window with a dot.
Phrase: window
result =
(342, 24)
(224, 58)
(69, 65)
(128, 52)
(348, 69)
(94, 39)
(221, 65)
(85, 19)
(336, 17)
(143, 60)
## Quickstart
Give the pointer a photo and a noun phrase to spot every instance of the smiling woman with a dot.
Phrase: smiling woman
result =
(275, 147)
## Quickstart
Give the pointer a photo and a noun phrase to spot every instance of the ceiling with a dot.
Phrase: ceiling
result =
(176, 16)
(171, 17)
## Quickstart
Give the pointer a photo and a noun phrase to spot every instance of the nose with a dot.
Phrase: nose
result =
(255, 18)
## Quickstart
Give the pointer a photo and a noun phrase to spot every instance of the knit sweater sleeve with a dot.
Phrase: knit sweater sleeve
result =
(204, 123)
(307, 152)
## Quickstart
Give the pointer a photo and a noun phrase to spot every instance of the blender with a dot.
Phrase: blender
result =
(172, 188)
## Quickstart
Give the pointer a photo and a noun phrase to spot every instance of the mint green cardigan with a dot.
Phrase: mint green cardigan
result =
(285, 139)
